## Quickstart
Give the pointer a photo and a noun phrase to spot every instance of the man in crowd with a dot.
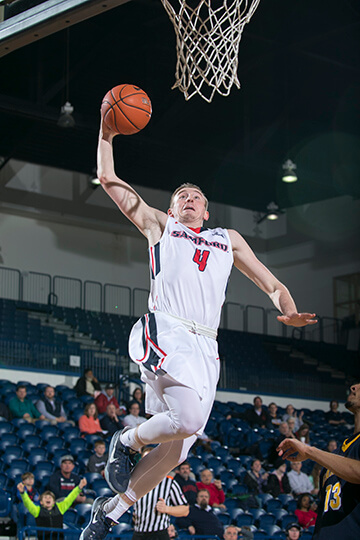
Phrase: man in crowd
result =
(111, 422)
(65, 480)
(105, 398)
(299, 481)
(256, 479)
(202, 519)
(293, 531)
(187, 485)
(88, 385)
(50, 407)
(133, 419)
(257, 416)
(339, 508)
(214, 487)
(231, 532)
(334, 416)
(21, 407)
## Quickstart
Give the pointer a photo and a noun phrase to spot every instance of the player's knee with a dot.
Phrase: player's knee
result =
(189, 425)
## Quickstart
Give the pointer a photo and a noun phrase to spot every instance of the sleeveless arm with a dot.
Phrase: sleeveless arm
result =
(148, 220)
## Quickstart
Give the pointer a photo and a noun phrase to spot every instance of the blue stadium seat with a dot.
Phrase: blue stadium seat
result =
(289, 518)
(91, 477)
(265, 497)
(7, 439)
(6, 427)
(99, 483)
(224, 517)
(285, 498)
(291, 506)
(36, 455)
(3, 481)
(5, 504)
(265, 520)
(273, 504)
(40, 424)
(11, 453)
(84, 512)
(77, 445)
(120, 529)
(71, 517)
(17, 422)
(273, 531)
(91, 438)
(235, 512)
(25, 430)
(104, 492)
(245, 519)
(127, 517)
(70, 433)
(17, 470)
(280, 514)
(54, 443)
(239, 489)
(31, 441)
(256, 513)
(49, 431)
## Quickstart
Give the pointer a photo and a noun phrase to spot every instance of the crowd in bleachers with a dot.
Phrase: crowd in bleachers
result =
(238, 451)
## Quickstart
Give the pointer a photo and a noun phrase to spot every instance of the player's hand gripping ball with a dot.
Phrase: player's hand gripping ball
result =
(126, 109)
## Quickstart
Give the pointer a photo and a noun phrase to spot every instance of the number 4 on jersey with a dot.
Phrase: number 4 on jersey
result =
(200, 258)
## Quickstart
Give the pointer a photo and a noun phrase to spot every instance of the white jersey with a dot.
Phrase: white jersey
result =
(189, 273)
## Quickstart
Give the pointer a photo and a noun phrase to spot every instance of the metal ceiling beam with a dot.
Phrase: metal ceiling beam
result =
(48, 18)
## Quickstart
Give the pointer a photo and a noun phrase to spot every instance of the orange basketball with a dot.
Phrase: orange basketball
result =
(126, 109)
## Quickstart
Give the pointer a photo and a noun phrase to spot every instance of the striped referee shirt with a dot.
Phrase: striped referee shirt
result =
(147, 519)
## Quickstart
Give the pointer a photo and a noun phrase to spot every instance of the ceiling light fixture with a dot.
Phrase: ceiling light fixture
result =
(289, 174)
(66, 119)
(272, 213)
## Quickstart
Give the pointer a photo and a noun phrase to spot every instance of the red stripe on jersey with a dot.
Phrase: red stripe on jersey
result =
(152, 261)
(196, 230)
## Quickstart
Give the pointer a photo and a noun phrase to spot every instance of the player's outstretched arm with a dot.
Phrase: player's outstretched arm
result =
(246, 261)
(148, 220)
(346, 468)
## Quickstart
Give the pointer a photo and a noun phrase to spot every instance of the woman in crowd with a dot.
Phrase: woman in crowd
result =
(278, 481)
(89, 422)
(303, 434)
(305, 511)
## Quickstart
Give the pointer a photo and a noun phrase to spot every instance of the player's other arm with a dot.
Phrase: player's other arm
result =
(246, 261)
(148, 220)
(346, 468)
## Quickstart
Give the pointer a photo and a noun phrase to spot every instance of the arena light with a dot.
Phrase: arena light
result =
(289, 175)
(66, 119)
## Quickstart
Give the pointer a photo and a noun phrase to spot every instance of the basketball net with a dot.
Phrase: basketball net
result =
(207, 44)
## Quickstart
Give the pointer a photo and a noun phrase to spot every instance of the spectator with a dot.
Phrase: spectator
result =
(98, 460)
(139, 396)
(214, 487)
(284, 433)
(187, 485)
(257, 416)
(305, 511)
(231, 532)
(4, 411)
(21, 407)
(51, 408)
(88, 385)
(172, 532)
(65, 480)
(334, 417)
(291, 422)
(331, 445)
(315, 476)
(28, 481)
(275, 419)
(278, 481)
(105, 398)
(110, 423)
(133, 419)
(89, 422)
(256, 480)
(303, 434)
(293, 531)
(202, 520)
(299, 481)
(50, 513)
(290, 411)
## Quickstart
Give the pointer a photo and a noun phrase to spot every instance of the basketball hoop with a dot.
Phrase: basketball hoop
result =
(207, 44)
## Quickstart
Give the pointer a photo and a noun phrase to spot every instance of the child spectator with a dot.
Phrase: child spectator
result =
(49, 513)
(98, 460)
(28, 481)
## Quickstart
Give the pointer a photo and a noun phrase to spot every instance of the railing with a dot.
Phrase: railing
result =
(110, 298)
(27, 533)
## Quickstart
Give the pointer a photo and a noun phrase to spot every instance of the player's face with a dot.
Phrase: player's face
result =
(353, 400)
(189, 206)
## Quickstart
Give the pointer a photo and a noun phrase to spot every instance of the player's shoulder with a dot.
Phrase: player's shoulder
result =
(351, 446)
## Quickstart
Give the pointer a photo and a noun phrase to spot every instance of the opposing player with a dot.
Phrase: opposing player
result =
(175, 343)
(339, 508)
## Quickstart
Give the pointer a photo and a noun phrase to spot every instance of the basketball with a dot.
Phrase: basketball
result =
(126, 109)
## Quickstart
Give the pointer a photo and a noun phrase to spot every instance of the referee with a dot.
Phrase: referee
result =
(152, 512)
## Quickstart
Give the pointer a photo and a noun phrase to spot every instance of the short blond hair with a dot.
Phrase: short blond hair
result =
(27, 475)
(185, 186)
(48, 492)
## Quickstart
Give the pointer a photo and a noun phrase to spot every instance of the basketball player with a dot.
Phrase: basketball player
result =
(339, 508)
(175, 343)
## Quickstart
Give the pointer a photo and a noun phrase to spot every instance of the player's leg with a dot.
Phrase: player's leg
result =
(183, 418)
(145, 476)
